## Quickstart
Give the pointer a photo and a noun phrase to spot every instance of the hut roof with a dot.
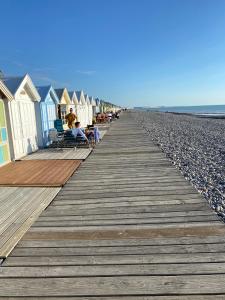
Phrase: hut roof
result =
(13, 83)
(45, 90)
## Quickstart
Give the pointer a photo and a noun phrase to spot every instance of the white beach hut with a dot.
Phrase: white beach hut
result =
(64, 104)
(89, 113)
(22, 115)
(86, 108)
(5, 97)
(74, 102)
(97, 107)
(93, 108)
(81, 108)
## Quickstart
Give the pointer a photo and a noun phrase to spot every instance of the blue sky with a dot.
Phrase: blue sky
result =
(130, 52)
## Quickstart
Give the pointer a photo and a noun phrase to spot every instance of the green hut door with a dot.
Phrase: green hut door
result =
(4, 147)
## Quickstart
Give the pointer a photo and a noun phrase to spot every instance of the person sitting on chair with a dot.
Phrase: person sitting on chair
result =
(77, 132)
(89, 132)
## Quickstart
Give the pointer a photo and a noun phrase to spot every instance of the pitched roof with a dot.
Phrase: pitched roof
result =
(71, 94)
(78, 93)
(13, 83)
(59, 92)
(43, 91)
(97, 101)
(5, 91)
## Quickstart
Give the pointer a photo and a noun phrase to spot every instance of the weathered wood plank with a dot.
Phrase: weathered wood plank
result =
(135, 285)
(117, 242)
(115, 259)
(180, 297)
(113, 270)
(118, 250)
(67, 223)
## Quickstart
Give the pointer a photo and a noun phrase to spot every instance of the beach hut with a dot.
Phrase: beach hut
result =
(86, 108)
(74, 102)
(93, 106)
(5, 97)
(97, 108)
(64, 104)
(22, 115)
(46, 113)
(89, 113)
(81, 109)
(102, 106)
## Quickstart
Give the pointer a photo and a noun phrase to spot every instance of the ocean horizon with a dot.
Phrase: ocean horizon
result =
(198, 109)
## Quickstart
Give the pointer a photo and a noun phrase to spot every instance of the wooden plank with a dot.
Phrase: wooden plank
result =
(72, 260)
(180, 297)
(112, 270)
(125, 233)
(123, 227)
(125, 216)
(118, 250)
(67, 223)
(118, 242)
(128, 209)
(90, 286)
(103, 205)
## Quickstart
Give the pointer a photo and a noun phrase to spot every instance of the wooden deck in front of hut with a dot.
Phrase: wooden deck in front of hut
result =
(125, 226)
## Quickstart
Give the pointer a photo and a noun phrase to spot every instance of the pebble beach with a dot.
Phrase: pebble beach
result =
(195, 146)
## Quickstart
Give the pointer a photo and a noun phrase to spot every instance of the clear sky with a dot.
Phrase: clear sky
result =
(130, 52)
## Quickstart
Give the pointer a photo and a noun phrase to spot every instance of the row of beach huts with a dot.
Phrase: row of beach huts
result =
(28, 113)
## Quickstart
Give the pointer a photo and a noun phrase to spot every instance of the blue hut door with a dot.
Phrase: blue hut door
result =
(48, 111)
(4, 147)
(51, 110)
(44, 123)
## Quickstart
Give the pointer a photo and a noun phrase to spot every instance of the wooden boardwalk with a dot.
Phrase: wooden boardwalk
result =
(125, 226)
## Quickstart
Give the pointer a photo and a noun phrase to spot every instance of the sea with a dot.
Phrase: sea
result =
(217, 110)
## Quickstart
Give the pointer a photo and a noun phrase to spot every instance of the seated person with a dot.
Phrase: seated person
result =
(94, 133)
(89, 132)
(77, 132)
(109, 117)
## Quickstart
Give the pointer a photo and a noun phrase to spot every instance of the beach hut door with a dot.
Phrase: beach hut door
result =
(24, 129)
(4, 147)
(51, 115)
(29, 132)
